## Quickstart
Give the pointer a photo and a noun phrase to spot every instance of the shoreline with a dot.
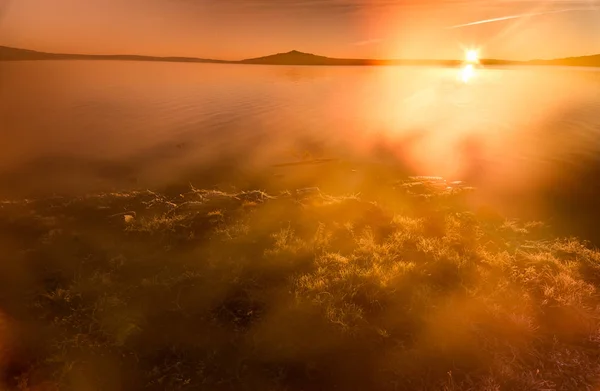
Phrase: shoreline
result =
(294, 58)
(219, 62)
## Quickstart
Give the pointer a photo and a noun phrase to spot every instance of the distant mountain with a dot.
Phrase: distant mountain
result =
(290, 58)
(299, 58)
(14, 54)
(583, 61)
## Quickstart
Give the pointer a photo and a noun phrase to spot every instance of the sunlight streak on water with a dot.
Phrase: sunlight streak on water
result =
(468, 72)
(158, 118)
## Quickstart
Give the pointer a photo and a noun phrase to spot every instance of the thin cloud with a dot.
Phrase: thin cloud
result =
(345, 7)
(524, 15)
(330, 4)
(367, 42)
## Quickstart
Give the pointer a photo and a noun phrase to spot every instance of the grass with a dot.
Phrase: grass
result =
(208, 290)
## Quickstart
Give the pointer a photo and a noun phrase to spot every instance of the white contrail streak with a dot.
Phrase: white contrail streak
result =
(521, 16)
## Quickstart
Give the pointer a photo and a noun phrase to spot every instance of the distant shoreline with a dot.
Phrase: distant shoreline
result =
(290, 58)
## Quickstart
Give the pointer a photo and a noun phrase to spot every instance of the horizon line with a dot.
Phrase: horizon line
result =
(288, 52)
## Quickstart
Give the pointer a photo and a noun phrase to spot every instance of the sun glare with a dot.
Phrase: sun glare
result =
(472, 56)
(467, 73)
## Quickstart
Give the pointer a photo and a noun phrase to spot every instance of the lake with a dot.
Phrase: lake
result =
(78, 126)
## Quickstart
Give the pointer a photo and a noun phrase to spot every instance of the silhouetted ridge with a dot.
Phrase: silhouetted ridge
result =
(293, 57)
(15, 54)
(583, 61)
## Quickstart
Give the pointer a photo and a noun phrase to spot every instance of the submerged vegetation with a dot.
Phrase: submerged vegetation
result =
(208, 290)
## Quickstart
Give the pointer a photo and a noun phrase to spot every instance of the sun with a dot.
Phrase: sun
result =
(472, 56)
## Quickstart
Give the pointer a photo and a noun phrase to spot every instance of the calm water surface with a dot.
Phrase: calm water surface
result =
(85, 125)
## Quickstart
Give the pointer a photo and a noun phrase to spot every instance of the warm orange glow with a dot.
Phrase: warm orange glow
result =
(346, 29)
(467, 73)
(472, 56)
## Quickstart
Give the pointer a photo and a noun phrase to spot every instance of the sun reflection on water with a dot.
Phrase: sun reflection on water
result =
(467, 73)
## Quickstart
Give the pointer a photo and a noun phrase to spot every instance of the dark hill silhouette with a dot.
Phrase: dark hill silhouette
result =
(299, 58)
(14, 54)
(294, 57)
(290, 58)
(583, 61)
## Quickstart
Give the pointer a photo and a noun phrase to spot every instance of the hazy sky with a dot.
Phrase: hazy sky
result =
(236, 29)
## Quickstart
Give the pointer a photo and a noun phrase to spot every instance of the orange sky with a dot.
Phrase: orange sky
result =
(236, 29)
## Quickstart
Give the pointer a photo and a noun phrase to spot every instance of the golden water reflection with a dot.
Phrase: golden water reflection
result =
(467, 73)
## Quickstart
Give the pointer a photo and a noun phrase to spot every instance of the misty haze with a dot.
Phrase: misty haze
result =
(409, 202)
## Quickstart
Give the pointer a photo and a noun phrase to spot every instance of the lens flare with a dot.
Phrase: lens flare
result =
(472, 56)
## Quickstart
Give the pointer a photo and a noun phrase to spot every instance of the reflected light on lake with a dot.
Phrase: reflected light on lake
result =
(467, 73)
(85, 125)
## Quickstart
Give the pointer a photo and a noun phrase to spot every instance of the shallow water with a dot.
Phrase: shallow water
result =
(97, 125)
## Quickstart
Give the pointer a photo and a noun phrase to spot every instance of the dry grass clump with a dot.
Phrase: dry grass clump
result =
(218, 291)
